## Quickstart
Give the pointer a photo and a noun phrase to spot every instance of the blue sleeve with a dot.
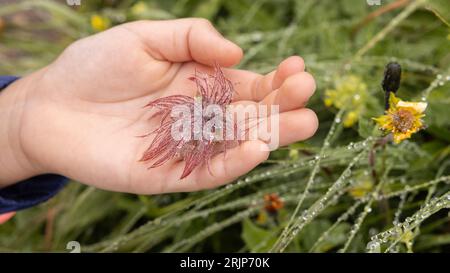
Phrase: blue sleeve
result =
(30, 192)
(6, 80)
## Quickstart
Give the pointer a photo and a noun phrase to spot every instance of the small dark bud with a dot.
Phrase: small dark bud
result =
(391, 80)
(392, 76)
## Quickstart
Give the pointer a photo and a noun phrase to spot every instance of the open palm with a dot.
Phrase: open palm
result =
(83, 116)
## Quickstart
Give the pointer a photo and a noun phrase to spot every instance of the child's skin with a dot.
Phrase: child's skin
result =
(79, 116)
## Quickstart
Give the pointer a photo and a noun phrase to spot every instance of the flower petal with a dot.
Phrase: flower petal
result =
(418, 106)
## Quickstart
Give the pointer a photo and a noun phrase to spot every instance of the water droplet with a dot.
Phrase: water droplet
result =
(257, 37)
(374, 247)
(372, 232)
(350, 146)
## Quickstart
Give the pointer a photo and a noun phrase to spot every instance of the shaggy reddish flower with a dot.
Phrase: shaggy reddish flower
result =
(196, 149)
(273, 203)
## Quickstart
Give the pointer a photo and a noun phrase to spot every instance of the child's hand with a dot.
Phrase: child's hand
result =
(80, 114)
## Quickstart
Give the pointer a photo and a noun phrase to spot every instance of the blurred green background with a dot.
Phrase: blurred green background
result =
(346, 45)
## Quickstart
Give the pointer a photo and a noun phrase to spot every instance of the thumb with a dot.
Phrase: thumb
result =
(190, 39)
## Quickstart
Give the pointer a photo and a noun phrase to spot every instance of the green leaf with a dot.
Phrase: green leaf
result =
(314, 230)
(257, 239)
(441, 10)
(336, 237)
(207, 9)
(438, 105)
(365, 127)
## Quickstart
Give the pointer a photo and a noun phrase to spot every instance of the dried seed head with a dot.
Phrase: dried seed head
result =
(195, 150)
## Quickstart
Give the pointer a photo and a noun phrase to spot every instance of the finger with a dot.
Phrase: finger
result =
(293, 93)
(224, 167)
(280, 129)
(297, 125)
(249, 85)
(286, 68)
(190, 39)
(253, 86)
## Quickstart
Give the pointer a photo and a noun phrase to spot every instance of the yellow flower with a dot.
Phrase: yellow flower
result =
(261, 218)
(139, 8)
(293, 154)
(350, 118)
(402, 118)
(99, 23)
(361, 188)
(350, 92)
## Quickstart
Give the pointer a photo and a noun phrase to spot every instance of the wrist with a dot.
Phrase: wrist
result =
(15, 164)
